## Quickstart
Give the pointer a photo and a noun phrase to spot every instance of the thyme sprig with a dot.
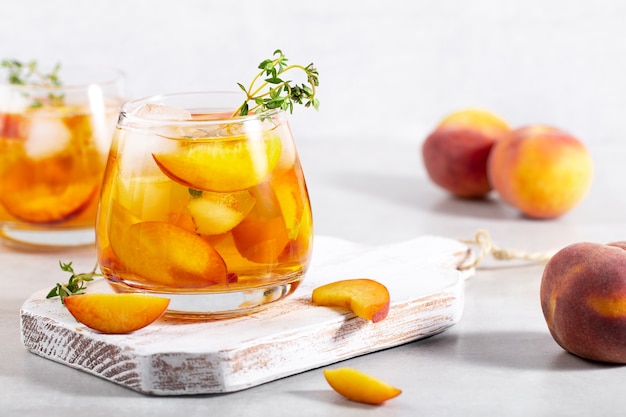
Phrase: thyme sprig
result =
(28, 73)
(269, 90)
(76, 283)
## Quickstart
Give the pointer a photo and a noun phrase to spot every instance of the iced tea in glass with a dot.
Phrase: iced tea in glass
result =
(54, 141)
(206, 208)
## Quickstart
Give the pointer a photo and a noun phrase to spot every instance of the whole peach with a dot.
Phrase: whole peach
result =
(583, 298)
(455, 153)
(541, 170)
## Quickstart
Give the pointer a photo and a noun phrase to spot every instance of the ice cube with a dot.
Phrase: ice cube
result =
(163, 113)
(46, 137)
(13, 101)
(137, 149)
(153, 111)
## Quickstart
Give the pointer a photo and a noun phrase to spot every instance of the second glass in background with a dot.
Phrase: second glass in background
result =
(55, 134)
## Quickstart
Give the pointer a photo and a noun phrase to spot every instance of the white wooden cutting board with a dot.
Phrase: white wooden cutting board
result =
(173, 357)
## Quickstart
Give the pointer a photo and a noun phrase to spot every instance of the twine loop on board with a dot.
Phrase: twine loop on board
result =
(483, 240)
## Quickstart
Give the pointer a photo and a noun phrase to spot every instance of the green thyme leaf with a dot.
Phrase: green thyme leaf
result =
(269, 90)
(27, 73)
(76, 283)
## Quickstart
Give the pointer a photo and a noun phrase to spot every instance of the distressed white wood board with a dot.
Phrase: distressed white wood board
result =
(171, 357)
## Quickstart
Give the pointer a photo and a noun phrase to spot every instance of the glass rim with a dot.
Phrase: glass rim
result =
(104, 76)
(126, 110)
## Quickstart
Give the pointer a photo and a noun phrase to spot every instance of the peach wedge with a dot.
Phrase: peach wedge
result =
(360, 387)
(221, 165)
(116, 313)
(365, 297)
(217, 213)
(163, 254)
(44, 203)
(262, 236)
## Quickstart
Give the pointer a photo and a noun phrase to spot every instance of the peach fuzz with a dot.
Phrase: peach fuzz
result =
(455, 154)
(541, 170)
(583, 299)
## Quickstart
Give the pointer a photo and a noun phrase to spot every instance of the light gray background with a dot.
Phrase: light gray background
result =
(389, 70)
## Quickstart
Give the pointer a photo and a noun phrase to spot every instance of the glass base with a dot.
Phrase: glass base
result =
(45, 238)
(220, 305)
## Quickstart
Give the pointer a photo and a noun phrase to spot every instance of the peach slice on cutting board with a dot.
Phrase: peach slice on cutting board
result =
(365, 297)
(116, 313)
(360, 387)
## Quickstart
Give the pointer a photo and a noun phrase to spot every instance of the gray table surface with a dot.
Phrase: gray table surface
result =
(499, 360)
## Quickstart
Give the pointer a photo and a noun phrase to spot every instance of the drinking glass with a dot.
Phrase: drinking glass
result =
(54, 142)
(204, 207)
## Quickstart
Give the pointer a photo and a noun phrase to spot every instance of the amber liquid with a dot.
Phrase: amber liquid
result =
(51, 166)
(199, 212)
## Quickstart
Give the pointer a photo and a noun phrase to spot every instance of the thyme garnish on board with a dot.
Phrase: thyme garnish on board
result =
(76, 283)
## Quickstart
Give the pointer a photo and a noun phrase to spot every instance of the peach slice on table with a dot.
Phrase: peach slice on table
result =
(217, 213)
(116, 313)
(365, 297)
(167, 255)
(224, 165)
(360, 387)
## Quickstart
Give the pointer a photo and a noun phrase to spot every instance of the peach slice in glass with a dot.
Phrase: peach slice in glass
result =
(152, 197)
(262, 236)
(116, 313)
(287, 188)
(365, 297)
(163, 254)
(359, 386)
(217, 213)
(12, 126)
(297, 248)
(57, 199)
(224, 165)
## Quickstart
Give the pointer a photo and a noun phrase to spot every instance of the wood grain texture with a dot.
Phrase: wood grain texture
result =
(175, 357)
